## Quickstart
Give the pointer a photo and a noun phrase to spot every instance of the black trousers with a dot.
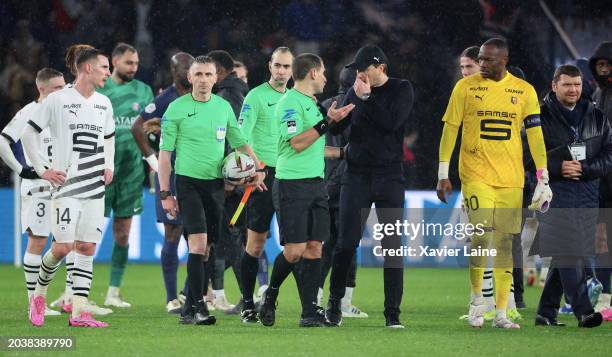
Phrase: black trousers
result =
(566, 275)
(358, 192)
(328, 251)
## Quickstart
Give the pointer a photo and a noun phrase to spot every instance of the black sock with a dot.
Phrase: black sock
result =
(195, 273)
(206, 274)
(299, 279)
(311, 273)
(280, 271)
(248, 274)
(341, 263)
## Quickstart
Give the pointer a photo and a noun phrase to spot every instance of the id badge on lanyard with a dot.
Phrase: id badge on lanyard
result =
(577, 148)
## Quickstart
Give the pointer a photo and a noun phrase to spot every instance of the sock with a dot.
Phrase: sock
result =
(500, 313)
(476, 275)
(206, 273)
(218, 293)
(503, 280)
(31, 266)
(262, 273)
(118, 263)
(69, 268)
(248, 273)
(48, 268)
(320, 295)
(311, 273)
(282, 268)
(169, 263)
(487, 287)
(195, 273)
(348, 297)
(82, 276)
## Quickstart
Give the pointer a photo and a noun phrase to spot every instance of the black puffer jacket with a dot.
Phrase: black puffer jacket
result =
(568, 228)
(233, 90)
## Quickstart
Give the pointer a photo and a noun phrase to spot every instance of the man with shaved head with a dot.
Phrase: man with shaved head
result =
(150, 117)
(493, 106)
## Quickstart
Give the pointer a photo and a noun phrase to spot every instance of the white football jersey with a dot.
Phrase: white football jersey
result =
(78, 126)
(14, 131)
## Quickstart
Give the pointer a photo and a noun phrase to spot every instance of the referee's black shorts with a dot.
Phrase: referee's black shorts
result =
(201, 205)
(302, 210)
(260, 207)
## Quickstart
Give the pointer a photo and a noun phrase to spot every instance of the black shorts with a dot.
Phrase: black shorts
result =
(302, 210)
(201, 205)
(260, 207)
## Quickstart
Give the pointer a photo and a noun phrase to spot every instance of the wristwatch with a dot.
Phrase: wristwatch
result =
(164, 194)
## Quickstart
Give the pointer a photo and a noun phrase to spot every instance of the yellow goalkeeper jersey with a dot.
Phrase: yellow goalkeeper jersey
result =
(492, 114)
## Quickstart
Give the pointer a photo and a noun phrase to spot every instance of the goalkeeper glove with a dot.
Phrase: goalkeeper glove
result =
(542, 194)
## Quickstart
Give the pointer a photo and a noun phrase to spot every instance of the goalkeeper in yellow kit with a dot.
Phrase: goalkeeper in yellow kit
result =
(492, 106)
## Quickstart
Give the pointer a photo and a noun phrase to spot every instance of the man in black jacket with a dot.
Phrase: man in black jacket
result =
(374, 174)
(228, 86)
(578, 141)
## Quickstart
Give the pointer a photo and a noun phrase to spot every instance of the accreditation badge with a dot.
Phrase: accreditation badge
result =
(221, 133)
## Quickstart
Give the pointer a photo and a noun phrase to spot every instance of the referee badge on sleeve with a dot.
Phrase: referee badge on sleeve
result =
(221, 134)
(291, 126)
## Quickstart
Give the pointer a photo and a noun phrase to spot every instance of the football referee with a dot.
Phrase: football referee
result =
(299, 193)
(373, 175)
(196, 125)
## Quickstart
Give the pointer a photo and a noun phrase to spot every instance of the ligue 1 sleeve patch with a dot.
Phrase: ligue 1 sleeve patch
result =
(221, 133)
(150, 108)
(291, 126)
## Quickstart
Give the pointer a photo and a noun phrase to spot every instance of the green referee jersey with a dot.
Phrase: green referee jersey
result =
(128, 99)
(296, 113)
(197, 132)
(258, 123)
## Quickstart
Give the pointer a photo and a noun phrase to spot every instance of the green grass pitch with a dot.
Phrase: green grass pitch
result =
(433, 301)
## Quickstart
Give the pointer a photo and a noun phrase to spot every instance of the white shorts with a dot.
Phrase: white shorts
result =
(36, 215)
(77, 220)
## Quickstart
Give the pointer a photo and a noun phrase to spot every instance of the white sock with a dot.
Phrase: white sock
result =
(347, 300)
(476, 298)
(112, 291)
(31, 266)
(82, 276)
(319, 297)
(69, 267)
(218, 293)
(48, 267)
(500, 313)
(487, 287)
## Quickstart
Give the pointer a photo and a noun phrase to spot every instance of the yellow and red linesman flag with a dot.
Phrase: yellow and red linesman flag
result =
(243, 200)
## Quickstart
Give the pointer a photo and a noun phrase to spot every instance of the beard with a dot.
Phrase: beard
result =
(184, 82)
(125, 77)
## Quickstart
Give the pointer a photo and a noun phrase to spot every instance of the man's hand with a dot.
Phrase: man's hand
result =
(170, 207)
(335, 115)
(152, 126)
(108, 176)
(57, 178)
(542, 195)
(571, 169)
(362, 86)
(257, 180)
(444, 189)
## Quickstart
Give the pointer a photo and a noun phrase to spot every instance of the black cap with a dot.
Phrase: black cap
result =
(366, 56)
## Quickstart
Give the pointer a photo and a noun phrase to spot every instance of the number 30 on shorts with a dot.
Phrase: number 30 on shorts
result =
(471, 203)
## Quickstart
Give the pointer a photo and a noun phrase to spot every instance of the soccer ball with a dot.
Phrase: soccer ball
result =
(236, 167)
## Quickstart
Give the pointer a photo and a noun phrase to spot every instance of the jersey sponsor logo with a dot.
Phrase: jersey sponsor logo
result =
(98, 106)
(124, 122)
(81, 126)
(289, 113)
(221, 133)
(150, 108)
(515, 91)
(495, 113)
(479, 97)
(479, 88)
(72, 106)
(291, 126)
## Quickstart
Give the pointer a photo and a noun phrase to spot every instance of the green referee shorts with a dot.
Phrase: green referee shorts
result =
(124, 199)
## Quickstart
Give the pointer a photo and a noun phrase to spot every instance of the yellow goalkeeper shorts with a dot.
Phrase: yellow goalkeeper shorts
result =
(499, 208)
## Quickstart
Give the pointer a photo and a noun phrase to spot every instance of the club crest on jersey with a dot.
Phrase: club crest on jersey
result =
(221, 134)
(135, 106)
(150, 108)
(513, 100)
